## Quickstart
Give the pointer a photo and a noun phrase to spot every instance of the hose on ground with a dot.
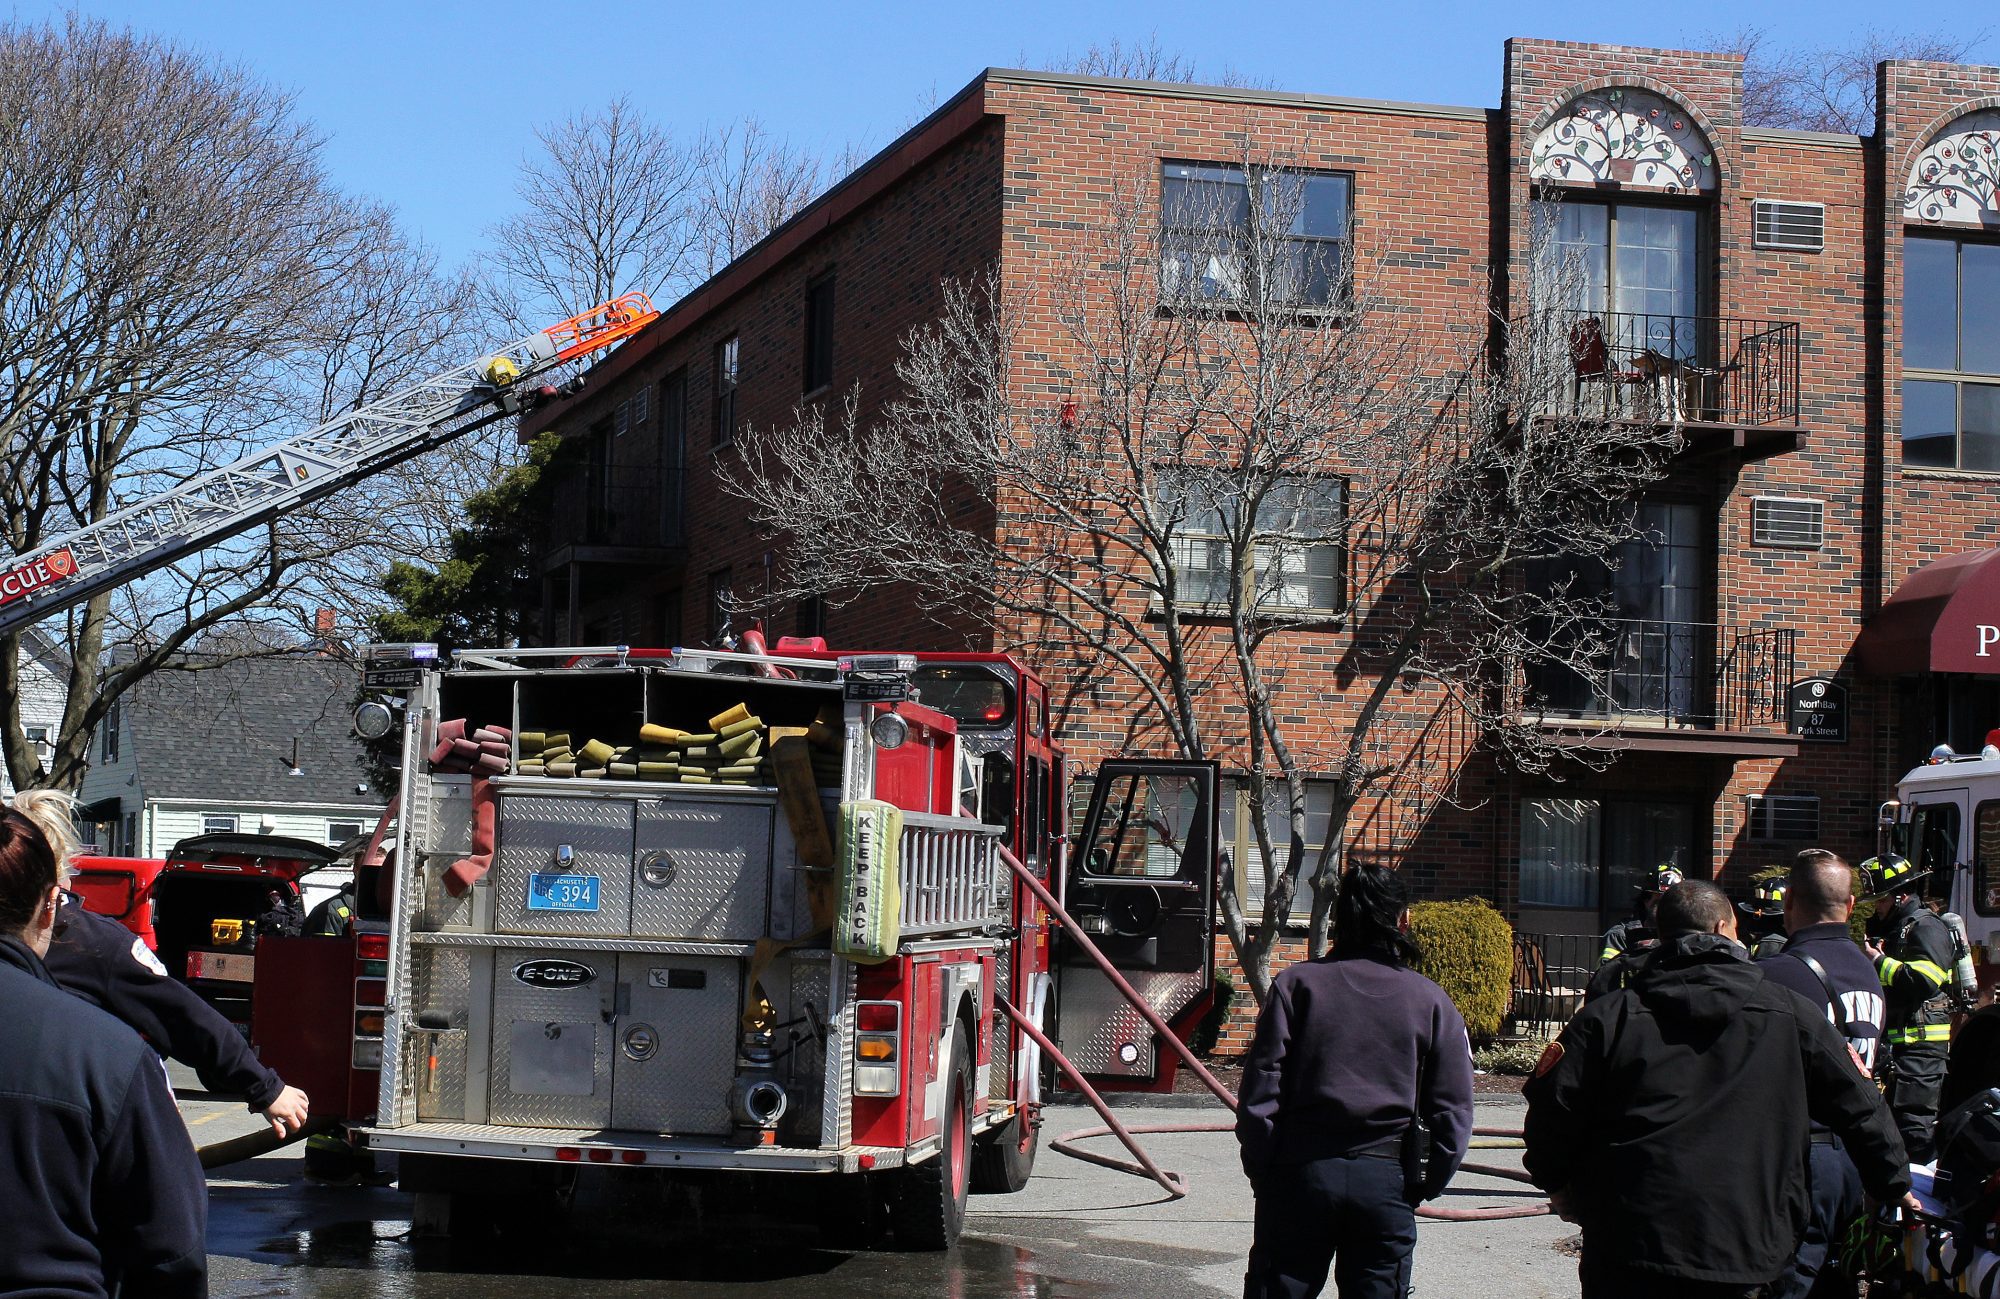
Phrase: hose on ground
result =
(261, 1142)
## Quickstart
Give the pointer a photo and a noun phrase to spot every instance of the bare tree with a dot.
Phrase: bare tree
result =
(170, 249)
(1237, 444)
(1828, 87)
(751, 183)
(1146, 60)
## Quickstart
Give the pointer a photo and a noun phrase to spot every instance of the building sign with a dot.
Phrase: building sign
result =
(24, 581)
(1819, 710)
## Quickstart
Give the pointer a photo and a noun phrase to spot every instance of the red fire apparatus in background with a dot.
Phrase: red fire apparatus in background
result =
(661, 968)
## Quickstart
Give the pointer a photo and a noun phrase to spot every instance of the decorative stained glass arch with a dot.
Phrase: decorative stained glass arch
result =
(1953, 181)
(1634, 137)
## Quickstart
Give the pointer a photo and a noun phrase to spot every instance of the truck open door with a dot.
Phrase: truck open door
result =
(1141, 882)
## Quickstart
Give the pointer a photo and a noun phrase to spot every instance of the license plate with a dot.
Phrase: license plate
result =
(562, 892)
(231, 967)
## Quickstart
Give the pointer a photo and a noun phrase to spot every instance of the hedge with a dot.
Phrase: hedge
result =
(1468, 950)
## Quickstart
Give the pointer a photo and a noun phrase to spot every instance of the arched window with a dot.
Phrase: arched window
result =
(1636, 138)
(1951, 299)
(1953, 181)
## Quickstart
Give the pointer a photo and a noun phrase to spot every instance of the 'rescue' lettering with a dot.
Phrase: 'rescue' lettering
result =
(19, 583)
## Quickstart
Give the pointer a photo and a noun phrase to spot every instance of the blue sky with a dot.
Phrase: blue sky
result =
(431, 105)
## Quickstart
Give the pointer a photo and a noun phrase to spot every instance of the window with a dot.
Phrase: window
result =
(1239, 837)
(819, 333)
(600, 473)
(1986, 858)
(718, 606)
(218, 823)
(1294, 563)
(1222, 227)
(811, 617)
(667, 617)
(631, 413)
(110, 749)
(727, 375)
(339, 832)
(1591, 855)
(131, 836)
(1951, 354)
(1638, 262)
(1781, 818)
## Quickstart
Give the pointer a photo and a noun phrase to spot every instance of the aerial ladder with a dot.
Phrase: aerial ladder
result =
(219, 503)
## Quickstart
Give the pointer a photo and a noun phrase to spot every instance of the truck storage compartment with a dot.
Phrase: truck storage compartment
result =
(551, 1036)
(563, 866)
(703, 868)
(676, 1053)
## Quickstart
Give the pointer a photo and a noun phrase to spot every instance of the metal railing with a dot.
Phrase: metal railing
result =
(1625, 365)
(1693, 674)
(953, 880)
(614, 504)
(1551, 972)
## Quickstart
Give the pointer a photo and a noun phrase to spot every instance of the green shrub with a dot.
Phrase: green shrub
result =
(1518, 1057)
(1468, 950)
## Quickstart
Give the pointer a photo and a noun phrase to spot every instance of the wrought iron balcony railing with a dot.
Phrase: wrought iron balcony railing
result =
(1623, 365)
(631, 506)
(1688, 674)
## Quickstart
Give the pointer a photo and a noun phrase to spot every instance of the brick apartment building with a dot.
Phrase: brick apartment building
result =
(1826, 309)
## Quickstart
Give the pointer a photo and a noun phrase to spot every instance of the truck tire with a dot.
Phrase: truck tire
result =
(927, 1208)
(1003, 1161)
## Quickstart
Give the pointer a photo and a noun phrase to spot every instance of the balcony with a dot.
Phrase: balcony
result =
(1672, 687)
(1728, 383)
(610, 513)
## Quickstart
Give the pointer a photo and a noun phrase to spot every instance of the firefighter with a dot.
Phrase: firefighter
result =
(96, 958)
(1637, 932)
(1670, 1119)
(1912, 951)
(1763, 918)
(333, 918)
(1626, 944)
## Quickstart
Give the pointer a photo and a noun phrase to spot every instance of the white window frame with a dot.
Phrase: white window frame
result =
(1293, 550)
(334, 839)
(233, 826)
(1239, 836)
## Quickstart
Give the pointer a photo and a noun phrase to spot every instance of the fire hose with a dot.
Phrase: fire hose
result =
(1142, 1164)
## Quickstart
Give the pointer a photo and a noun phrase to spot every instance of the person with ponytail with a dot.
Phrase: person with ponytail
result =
(102, 1191)
(1353, 1053)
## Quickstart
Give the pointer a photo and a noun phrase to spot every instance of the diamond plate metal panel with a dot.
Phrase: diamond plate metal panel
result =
(1000, 1080)
(703, 869)
(450, 829)
(809, 982)
(520, 1008)
(598, 833)
(441, 1075)
(1098, 1020)
(682, 1088)
(442, 983)
(440, 910)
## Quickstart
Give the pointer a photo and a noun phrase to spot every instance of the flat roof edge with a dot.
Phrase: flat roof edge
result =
(1782, 135)
(1236, 94)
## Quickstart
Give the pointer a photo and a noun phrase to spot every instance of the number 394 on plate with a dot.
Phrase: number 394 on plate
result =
(562, 892)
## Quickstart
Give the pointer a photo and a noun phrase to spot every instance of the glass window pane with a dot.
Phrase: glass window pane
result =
(1204, 197)
(1979, 326)
(1986, 859)
(1323, 214)
(1559, 852)
(1979, 426)
(1638, 837)
(1930, 423)
(1930, 307)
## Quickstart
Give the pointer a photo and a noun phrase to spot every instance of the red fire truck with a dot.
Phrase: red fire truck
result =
(632, 938)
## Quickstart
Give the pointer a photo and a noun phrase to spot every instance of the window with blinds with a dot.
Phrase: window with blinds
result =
(1792, 227)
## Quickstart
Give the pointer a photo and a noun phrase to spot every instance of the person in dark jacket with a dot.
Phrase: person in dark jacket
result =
(1974, 1064)
(1822, 963)
(1913, 953)
(109, 966)
(100, 1191)
(1760, 922)
(1670, 1119)
(1351, 1052)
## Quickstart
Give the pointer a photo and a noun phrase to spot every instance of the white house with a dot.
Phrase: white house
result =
(251, 746)
(44, 689)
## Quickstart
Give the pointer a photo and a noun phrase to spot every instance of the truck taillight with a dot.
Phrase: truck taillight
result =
(367, 1023)
(371, 992)
(878, 1041)
(372, 947)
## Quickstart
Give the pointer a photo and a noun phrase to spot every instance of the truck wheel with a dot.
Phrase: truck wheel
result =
(1005, 1157)
(928, 1208)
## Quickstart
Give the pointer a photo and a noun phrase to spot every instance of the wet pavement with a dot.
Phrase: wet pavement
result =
(1076, 1232)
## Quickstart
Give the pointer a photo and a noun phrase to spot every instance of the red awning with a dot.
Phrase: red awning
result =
(1945, 617)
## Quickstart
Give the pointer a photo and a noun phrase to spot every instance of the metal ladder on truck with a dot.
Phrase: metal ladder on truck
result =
(220, 503)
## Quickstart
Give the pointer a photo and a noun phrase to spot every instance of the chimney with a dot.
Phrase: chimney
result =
(323, 624)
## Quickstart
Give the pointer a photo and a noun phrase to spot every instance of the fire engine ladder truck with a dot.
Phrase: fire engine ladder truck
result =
(220, 503)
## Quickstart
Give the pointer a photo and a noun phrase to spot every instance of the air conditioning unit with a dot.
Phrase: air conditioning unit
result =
(1792, 227)
(1790, 522)
(1782, 818)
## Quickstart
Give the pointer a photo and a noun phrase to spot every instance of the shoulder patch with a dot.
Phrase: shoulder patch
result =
(144, 956)
(1551, 1056)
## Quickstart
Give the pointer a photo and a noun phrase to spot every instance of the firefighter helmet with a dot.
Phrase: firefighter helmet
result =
(1767, 898)
(1889, 873)
(1661, 878)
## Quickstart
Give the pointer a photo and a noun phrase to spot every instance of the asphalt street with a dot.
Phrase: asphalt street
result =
(1076, 1232)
